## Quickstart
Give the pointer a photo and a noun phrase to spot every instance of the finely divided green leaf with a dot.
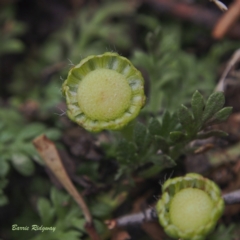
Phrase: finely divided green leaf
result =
(169, 124)
(178, 149)
(197, 107)
(214, 103)
(126, 151)
(165, 128)
(100, 209)
(222, 114)
(139, 134)
(100, 226)
(10, 117)
(78, 223)
(177, 136)
(164, 161)
(46, 211)
(142, 139)
(147, 141)
(53, 134)
(58, 199)
(6, 136)
(31, 131)
(70, 235)
(161, 143)
(154, 127)
(153, 170)
(224, 232)
(27, 147)
(73, 213)
(185, 118)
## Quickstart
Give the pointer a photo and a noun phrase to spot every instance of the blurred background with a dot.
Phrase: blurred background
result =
(179, 46)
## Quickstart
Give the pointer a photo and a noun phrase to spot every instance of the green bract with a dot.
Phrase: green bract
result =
(104, 92)
(190, 207)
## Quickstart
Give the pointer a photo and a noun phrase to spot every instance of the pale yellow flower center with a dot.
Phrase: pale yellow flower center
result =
(104, 95)
(190, 209)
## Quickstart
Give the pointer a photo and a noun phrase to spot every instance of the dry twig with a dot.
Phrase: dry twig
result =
(220, 5)
(151, 215)
(233, 61)
(193, 13)
(232, 198)
(226, 22)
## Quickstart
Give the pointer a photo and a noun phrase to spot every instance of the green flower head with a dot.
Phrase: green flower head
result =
(190, 207)
(104, 92)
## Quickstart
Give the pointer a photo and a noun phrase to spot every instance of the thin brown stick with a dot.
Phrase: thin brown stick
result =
(220, 5)
(150, 214)
(49, 154)
(232, 197)
(226, 22)
(192, 12)
(92, 231)
(136, 218)
(234, 59)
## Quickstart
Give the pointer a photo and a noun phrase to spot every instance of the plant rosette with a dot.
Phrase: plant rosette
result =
(190, 207)
(104, 92)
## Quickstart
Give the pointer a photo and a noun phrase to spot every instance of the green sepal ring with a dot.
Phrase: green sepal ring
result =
(190, 207)
(104, 92)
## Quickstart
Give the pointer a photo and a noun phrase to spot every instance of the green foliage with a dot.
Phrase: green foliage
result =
(214, 103)
(161, 143)
(9, 30)
(16, 146)
(203, 114)
(61, 212)
(155, 144)
(3, 198)
(65, 48)
(97, 31)
(174, 74)
(16, 141)
(45, 211)
(223, 233)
